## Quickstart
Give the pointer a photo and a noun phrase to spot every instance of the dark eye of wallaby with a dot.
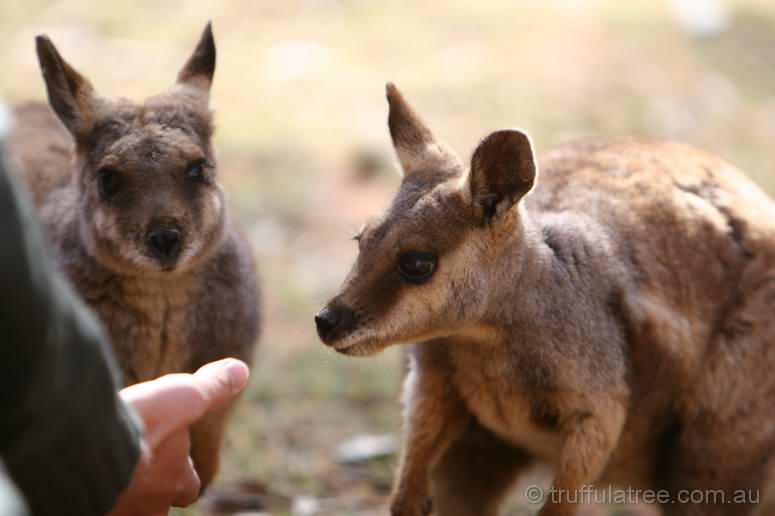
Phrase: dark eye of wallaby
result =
(416, 267)
(108, 182)
(197, 171)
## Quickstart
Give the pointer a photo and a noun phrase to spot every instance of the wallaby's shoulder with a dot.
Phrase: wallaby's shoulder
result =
(228, 305)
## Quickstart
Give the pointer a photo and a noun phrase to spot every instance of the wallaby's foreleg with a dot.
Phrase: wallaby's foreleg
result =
(475, 474)
(435, 415)
(588, 439)
(206, 441)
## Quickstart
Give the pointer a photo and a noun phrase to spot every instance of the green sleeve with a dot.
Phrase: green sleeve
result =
(67, 441)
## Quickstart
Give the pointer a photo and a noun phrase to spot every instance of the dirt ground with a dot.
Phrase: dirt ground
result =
(305, 157)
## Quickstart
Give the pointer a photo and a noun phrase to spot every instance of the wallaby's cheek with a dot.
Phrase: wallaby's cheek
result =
(212, 215)
(206, 224)
(105, 225)
(452, 297)
(390, 309)
(379, 294)
(386, 308)
(115, 240)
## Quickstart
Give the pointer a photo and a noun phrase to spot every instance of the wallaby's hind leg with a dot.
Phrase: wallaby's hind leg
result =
(206, 441)
(727, 441)
(766, 505)
(475, 474)
(707, 478)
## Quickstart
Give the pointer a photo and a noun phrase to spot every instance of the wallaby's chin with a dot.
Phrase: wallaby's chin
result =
(137, 265)
(365, 344)
(138, 262)
(365, 348)
(174, 267)
(358, 343)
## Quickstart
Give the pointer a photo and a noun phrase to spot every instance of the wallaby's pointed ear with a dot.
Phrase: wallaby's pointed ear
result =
(70, 94)
(200, 67)
(415, 145)
(503, 170)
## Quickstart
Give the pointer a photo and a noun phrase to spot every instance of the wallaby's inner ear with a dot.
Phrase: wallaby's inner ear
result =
(415, 145)
(200, 67)
(70, 94)
(503, 170)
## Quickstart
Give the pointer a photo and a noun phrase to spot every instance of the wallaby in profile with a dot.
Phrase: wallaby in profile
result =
(614, 317)
(131, 200)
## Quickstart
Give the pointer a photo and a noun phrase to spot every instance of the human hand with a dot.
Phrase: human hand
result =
(165, 475)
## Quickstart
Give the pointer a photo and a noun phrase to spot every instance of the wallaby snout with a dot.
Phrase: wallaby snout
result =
(165, 244)
(334, 322)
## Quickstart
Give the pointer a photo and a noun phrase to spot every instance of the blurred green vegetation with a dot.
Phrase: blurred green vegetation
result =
(305, 155)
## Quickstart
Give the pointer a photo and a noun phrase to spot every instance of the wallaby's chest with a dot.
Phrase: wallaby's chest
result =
(149, 327)
(491, 390)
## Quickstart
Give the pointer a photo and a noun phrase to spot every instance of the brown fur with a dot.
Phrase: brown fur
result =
(162, 316)
(616, 322)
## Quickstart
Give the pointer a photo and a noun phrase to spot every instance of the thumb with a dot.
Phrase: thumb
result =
(176, 401)
(220, 381)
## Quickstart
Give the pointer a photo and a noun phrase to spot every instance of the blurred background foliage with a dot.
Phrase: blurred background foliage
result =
(305, 158)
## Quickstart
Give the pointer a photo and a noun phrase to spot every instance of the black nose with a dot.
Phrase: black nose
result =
(165, 243)
(326, 320)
